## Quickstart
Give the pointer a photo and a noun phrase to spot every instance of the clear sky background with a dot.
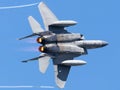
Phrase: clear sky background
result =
(97, 19)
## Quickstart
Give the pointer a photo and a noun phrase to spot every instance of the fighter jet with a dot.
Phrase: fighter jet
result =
(59, 45)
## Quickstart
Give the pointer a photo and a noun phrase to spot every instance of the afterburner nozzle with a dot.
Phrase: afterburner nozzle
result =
(39, 40)
(41, 48)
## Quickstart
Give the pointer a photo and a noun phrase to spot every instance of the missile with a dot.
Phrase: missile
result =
(73, 62)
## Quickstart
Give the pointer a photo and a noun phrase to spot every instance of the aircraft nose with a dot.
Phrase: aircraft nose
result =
(104, 43)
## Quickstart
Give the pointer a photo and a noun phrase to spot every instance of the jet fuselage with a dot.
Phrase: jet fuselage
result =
(68, 43)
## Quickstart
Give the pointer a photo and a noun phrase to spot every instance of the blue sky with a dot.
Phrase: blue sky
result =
(97, 19)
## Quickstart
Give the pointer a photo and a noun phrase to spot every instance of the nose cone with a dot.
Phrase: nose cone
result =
(104, 43)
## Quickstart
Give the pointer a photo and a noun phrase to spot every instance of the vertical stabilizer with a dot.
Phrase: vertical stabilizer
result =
(36, 28)
(43, 63)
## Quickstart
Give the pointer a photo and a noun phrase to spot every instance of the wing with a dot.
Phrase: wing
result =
(47, 15)
(50, 20)
(61, 71)
(61, 74)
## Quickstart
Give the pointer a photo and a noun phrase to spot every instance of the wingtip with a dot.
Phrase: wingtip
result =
(19, 38)
(60, 83)
(41, 3)
(29, 17)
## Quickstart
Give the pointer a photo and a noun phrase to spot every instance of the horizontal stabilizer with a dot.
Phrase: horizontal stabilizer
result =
(33, 59)
(43, 61)
(37, 34)
(34, 34)
(36, 58)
